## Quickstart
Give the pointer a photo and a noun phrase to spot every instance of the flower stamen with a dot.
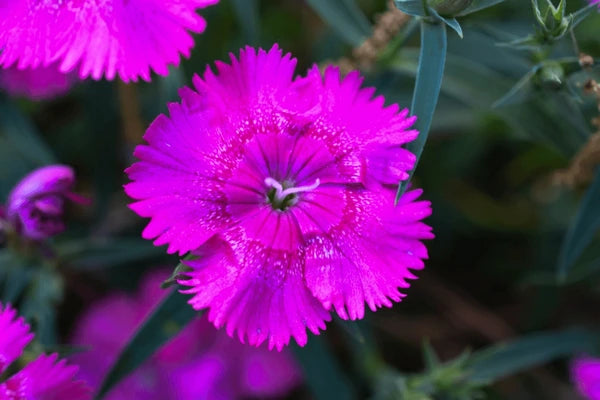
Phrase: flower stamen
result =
(281, 198)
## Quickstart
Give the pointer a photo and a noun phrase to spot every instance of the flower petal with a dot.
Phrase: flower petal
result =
(15, 336)
(104, 38)
(253, 290)
(369, 255)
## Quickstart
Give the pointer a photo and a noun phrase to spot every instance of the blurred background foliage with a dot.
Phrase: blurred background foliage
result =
(511, 290)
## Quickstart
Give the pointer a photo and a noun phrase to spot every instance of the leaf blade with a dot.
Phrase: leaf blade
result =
(166, 320)
(322, 372)
(508, 358)
(430, 72)
(581, 232)
(346, 19)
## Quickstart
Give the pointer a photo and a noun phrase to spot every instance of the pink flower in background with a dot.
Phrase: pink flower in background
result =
(45, 378)
(38, 84)
(199, 363)
(35, 206)
(586, 376)
(595, 2)
(99, 37)
(284, 190)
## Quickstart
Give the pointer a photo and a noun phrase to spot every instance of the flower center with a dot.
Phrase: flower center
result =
(283, 195)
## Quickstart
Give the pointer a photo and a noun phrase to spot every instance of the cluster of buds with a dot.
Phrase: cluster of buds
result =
(553, 23)
(35, 206)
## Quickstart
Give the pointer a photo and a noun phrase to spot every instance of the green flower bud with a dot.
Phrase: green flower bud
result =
(551, 75)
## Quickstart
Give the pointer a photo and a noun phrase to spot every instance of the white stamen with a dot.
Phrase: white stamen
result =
(281, 194)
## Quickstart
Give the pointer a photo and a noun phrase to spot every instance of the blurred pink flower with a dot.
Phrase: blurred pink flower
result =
(586, 376)
(36, 84)
(35, 205)
(199, 363)
(284, 190)
(99, 37)
(45, 378)
(595, 2)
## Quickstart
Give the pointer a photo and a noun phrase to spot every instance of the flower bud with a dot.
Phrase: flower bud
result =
(35, 205)
(552, 75)
(449, 7)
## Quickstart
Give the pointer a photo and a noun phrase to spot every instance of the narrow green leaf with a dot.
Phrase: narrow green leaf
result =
(427, 87)
(41, 298)
(583, 229)
(246, 12)
(322, 372)
(165, 321)
(345, 17)
(22, 148)
(451, 22)
(502, 360)
(478, 5)
(21, 132)
(519, 88)
(580, 15)
(106, 253)
(416, 8)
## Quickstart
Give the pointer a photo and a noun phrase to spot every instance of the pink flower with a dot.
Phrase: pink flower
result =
(35, 205)
(284, 190)
(99, 37)
(45, 378)
(595, 2)
(586, 375)
(199, 363)
(38, 84)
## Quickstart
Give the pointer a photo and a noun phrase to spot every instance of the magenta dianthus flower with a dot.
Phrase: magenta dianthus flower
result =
(102, 37)
(35, 205)
(595, 2)
(199, 363)
(284, 190)
(45, 378)
(37, 84)
(586, 376)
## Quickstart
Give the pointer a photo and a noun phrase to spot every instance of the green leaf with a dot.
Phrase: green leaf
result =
(430, 72)
(322, 372)
(345, 17)
(502, 360)
(246, 12)
(21, 132)
(165, 321)
(104, 253)
(479, 5)
(22, 148)
(451, 22)
(583, 229)
(579, 16)
(40, 301)
(15, 274)
(413, 7)
(520, 88)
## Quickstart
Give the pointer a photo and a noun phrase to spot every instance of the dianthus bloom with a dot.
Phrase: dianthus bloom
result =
(45, 378)
(36, 84)
(586, 376)
(595, 2)
(284, 190)
(199, 363)
(100, 37)
(35, 205)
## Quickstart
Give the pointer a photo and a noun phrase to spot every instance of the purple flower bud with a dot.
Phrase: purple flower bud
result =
(35, 205)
